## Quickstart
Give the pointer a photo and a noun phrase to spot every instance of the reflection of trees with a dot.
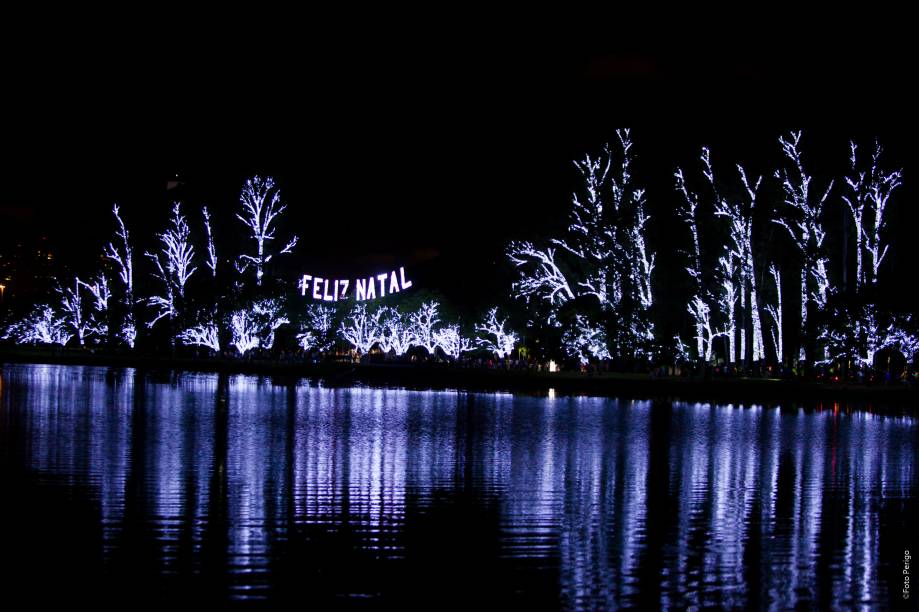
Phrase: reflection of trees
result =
(238, 486)
(213, 542)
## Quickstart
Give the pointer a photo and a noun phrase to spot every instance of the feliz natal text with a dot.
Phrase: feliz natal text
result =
(370, 288)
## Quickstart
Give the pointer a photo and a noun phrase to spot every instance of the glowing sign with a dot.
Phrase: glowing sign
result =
(370, 288)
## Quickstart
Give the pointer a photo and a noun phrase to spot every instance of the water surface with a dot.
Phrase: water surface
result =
(139, 487)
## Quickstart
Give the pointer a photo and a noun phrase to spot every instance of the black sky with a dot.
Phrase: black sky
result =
(395, 147)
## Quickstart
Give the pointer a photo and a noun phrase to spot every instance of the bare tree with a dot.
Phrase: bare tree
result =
(122, 255)
(41, 326)
(396, 332)
(99, 289)
(255, 327)
(173, 265)
(211, 251)
(868, 193)
(804, 223)
(205, 334)
(689, 214)
(585, 340)
(261, 202)
(740, 216)
(504, 340)
(318, 333)
(76, 319)
(452, 342)
(729, 301)
(424, 323)
(362, 328)
(545, 280)
(776, 313)
(602, 256)
(713, 304)
(701, 312)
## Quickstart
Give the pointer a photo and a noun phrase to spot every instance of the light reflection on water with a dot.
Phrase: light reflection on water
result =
(195, 486)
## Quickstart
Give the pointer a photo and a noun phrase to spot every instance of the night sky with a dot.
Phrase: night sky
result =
(390, 150)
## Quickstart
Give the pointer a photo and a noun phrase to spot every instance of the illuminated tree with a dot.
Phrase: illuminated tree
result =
(396, 332)
(585, 341)
(362, 328)
(860, 333)
(503, 343)
(867, 196)
(100, 292)
(423, 323)
(689, 215)
(740, 215)
(261, 202)
(255, 327)
(319, 331)
(77, 320)
(729, 302)
(776, 313)
(544, 279)
(123, 257)
(206, 334)
(269, 314)
(99, 289)
(306, 340)
(41, 326)
(244, 330)
(804, 224)
(602, 257)
(452, 342)
(211, 251)
(713, 304)
(857, 328)
(174, 267)
(702, 313)
(736, 272)
(400, 331)
(681, 350)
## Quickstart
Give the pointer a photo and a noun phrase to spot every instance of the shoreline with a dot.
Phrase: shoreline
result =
(445, 377)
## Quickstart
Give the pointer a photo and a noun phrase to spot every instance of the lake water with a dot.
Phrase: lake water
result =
(141, 487)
